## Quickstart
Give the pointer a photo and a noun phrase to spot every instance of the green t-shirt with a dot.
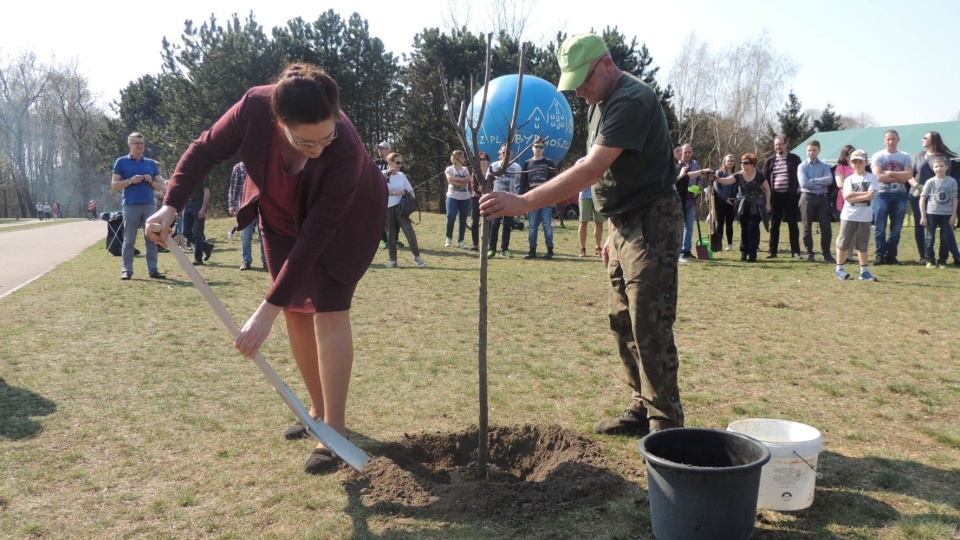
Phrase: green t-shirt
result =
(631, 119)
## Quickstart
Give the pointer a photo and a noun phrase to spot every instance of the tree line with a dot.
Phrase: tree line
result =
(58, 144)
(49, 121)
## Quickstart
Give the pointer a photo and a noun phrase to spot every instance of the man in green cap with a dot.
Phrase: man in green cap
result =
(629, 149)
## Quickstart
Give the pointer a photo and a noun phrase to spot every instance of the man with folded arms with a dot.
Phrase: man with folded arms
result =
(815, 177)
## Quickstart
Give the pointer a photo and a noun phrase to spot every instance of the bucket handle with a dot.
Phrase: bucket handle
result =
(815, 471)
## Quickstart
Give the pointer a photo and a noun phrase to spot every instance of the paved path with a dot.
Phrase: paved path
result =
(27, 255)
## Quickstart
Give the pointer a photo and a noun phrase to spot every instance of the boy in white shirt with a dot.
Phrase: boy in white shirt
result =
(859, 190)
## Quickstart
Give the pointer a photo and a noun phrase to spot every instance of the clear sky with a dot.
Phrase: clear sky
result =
(884, 57)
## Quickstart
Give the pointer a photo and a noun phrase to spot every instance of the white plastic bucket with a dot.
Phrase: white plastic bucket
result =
(788, 480)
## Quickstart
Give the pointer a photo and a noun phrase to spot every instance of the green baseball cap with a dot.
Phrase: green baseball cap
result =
(575, 56)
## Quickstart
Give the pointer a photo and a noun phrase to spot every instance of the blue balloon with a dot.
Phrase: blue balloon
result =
(543, 111)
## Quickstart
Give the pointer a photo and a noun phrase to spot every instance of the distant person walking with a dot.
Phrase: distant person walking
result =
(398, 185)
(238, 180)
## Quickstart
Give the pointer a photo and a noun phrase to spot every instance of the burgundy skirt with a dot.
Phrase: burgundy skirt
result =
(319, 291)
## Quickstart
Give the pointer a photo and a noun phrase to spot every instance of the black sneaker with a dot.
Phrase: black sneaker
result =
(630, 422)
(532, 254)
(811, 258)
(156, 274)
(771, 255)
(892, 260)
(207, 250)
(828, 258)
(880, 260)
(549, 254)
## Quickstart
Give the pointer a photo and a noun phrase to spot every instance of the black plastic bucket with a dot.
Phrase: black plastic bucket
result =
(703, 483)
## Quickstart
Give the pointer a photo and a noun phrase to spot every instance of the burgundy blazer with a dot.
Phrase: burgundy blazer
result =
(341, 200)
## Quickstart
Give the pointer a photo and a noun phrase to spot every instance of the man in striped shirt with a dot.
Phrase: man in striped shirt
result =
(781, 171)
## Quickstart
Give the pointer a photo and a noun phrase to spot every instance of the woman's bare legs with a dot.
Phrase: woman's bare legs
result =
(322, 345)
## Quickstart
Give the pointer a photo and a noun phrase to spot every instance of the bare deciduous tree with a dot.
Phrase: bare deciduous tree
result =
(458, 15)
(734, 93)
(49, 121)
(81, 119)
(22, 83)
(505, 16)
(510, 16)
(858, 121)
(688, 78)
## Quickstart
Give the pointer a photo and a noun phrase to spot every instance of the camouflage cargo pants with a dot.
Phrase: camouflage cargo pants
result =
(645, 246)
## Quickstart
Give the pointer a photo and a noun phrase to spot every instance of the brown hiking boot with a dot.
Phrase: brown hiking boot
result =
(630, 422)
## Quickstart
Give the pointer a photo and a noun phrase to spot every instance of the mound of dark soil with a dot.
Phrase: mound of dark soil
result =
(532, 471)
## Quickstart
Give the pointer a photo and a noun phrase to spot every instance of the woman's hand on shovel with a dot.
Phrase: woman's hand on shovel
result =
(257, 328)
(160, 221)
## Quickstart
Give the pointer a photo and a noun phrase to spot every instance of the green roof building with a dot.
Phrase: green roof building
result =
(871, 139)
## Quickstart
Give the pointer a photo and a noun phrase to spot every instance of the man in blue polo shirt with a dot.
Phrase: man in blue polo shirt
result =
(137, 177)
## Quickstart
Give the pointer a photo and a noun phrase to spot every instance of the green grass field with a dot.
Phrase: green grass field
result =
(126, 413)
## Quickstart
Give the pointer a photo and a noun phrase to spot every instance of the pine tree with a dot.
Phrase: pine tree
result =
(828, 121)
(794, 124)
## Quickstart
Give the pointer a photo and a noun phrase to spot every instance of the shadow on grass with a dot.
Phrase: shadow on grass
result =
(17, 406)
(911, 478)
(843, 499)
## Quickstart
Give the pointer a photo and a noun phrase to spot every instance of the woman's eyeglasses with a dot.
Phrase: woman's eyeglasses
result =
(746, 163)
(398, 163)
(310, 144)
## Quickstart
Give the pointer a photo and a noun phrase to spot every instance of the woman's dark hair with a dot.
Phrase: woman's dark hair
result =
(305, 94)
(938, 145)
(845, 152)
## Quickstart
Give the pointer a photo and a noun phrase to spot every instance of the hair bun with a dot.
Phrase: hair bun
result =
(296, 70)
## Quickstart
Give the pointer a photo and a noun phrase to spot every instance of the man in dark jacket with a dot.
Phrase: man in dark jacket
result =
(781, 171)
